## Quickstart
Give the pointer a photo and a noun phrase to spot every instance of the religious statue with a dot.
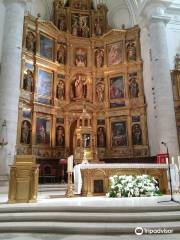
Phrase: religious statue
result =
(25, 132)
(61, 55)
(101, 137)
(100, 92)
(75, 26)
(42, 134)
(136, 134)
(79, 87)
(60, 90)
(133, 87)
(99, 58)
(177, 62)
(60, 136)
(31, 42)
(81, 58)
(131, 51)
(98, 28)
(84, 27)
(62, 23)
(28, 81)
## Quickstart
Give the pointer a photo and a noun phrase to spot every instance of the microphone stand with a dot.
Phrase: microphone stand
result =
(170, 179)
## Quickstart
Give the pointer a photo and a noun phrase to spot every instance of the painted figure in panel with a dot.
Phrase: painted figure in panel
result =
(99, 57)
(61, 55)
(133, 86)
(60, 136)
(131, 51)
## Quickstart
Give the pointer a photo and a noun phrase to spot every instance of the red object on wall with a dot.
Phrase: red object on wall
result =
(161, 158)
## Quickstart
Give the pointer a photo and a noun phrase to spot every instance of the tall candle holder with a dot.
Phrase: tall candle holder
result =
(69, 190)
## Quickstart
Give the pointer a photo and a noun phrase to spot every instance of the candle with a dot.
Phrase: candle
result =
(70, 163)
(166, 160)
(172, 160)
(179, 162)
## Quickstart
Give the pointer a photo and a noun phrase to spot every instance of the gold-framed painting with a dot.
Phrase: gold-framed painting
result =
(46, 46)
(43, 130)
(115, 53)
(119, 133)
(117, 87)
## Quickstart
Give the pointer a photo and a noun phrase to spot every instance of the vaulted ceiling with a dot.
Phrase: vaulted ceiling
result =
(120, 11)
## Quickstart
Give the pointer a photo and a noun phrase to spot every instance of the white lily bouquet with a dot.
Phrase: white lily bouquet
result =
(133, 186)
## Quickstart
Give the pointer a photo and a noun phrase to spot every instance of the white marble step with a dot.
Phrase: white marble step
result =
(84, 228)
(91, 217)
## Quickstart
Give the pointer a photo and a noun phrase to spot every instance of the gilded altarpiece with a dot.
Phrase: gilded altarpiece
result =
(74, 61)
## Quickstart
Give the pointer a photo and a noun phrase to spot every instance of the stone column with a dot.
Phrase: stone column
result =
(10, 77)
(165, 118)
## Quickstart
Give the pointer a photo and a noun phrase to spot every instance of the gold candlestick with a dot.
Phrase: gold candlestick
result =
(69, 190)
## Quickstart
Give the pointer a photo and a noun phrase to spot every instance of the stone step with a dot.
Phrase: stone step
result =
(84, 228)
(90, 217)
(59, 207)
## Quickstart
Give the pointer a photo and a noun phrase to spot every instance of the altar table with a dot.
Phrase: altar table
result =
(93, 179)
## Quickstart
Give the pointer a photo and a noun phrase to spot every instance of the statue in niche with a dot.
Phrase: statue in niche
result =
(99, 57)
(98, 26)
(31, 41)
(60, 90)
(62, 23)
(60, 136)
(177, 62)
(101, 137)
(133, 87)
(79, 87)
(84, 27)
(61, 55)
(25, 132)
(81, 58)
(136, 134)
(100, 92)
(131, 51)
(75, 26)
(28, 80)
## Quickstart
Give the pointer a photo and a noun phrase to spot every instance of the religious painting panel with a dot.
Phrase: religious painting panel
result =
(99, 57)
(44, 84)
(115, 53)
(60, 90)
(61, 54)
(27, 113)
(101, 137)
(31, 41)
(133, 85)
(79, 87)
(80, 57)
(60, 120)
(25, 132)
(46, 47)
(116, 87)
(60, 136)
(80, 25)
(131, 50)
(28, 77)
(119, 134)
(43, 127)
(136, 134)
(136, 119)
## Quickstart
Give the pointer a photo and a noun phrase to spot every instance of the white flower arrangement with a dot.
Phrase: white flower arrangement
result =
(133, 186)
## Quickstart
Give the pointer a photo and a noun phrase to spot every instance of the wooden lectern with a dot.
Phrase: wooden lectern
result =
(23, 183)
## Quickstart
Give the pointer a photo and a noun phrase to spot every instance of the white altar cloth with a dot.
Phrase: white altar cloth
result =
(78, 178)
